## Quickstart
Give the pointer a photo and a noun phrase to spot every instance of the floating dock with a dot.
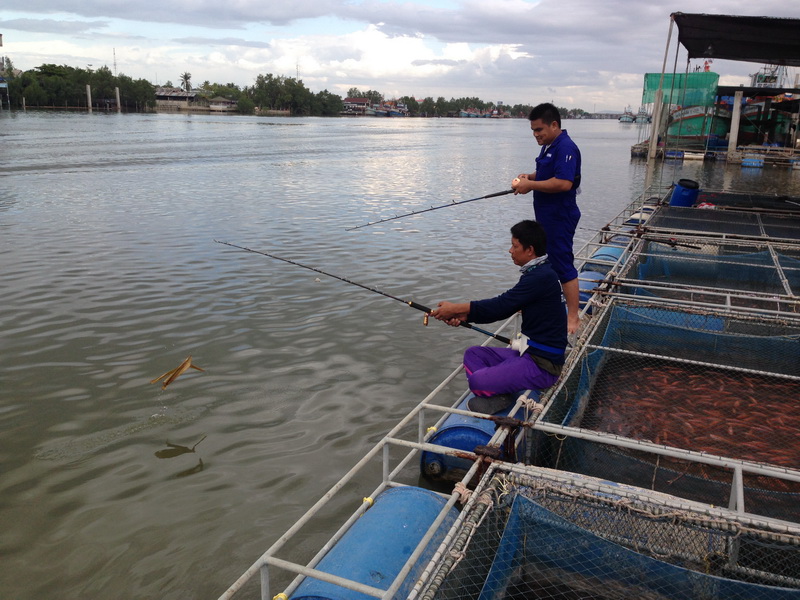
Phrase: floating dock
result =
(668, 448)
(663, 464)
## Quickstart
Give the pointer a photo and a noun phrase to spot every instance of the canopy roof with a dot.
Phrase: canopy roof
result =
(751, 39)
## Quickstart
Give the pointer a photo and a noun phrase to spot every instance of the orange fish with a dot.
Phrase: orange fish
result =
(175, 373)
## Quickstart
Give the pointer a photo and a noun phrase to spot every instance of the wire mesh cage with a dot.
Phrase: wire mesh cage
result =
(743, 200)
(552, 539)
(697, 383)
(737, 274)
(729, 223)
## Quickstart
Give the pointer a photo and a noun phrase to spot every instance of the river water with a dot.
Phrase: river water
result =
(111, 276)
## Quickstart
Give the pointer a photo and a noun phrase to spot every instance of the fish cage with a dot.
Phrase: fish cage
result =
(701, 404)
(533, 533)
(746, 201)
(739, 274)
(774, 226)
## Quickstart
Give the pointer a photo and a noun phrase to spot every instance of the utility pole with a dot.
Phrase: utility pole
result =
(3, 82)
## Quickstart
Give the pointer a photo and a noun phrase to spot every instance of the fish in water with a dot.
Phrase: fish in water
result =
(175, 373)
(176, 450)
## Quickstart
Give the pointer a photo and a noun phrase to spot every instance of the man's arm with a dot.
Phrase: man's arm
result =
(523, 185)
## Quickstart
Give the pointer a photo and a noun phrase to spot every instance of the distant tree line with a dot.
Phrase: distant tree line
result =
(65, 87)
(441, 107)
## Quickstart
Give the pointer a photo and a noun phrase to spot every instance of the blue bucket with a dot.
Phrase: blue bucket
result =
(378, 544)
(684, 193)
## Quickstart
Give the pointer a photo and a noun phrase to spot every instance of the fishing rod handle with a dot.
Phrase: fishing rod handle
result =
(499, 338)
(428, 310)
(418, 306)
(503, 193)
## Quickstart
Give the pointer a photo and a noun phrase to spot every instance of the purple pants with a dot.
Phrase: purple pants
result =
(492, 371)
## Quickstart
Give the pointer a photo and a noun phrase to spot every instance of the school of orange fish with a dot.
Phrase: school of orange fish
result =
(721, 412)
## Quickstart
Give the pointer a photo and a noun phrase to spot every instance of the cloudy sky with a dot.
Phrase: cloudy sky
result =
(588, 54)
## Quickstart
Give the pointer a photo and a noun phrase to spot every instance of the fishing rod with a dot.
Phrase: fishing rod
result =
(418, 212)
(410, 303)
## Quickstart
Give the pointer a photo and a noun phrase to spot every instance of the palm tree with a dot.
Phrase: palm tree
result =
(186, 82)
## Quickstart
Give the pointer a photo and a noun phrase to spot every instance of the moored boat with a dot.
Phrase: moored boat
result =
(627, 116)
(699, 123)
(642, 116)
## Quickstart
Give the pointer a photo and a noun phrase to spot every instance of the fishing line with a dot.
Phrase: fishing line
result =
(418, 212)
(410, 303)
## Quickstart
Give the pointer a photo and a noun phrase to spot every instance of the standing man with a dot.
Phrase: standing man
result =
(555, 188)
(494, 373)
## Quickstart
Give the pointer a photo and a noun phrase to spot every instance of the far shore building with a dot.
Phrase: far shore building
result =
(221, 105)
(169, 99)
(356, 106)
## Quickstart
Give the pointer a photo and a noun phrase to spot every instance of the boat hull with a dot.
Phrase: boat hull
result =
(699, 123)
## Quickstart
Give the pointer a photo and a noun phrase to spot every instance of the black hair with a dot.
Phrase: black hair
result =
(546, 112)
(530, 233)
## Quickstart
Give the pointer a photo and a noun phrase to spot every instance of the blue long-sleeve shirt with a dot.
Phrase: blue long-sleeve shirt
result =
(544, 317)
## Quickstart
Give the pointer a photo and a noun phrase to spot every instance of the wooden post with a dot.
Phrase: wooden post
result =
(657, 105)
(89, 96)
(116, 91)
(733, 137)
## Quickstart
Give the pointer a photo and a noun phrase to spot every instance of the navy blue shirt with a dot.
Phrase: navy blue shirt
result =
(544, 317)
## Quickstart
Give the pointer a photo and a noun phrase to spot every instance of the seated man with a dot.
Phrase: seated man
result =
(497, 373)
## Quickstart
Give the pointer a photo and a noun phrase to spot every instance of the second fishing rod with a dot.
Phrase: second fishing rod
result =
(424, 210)
(427, 310)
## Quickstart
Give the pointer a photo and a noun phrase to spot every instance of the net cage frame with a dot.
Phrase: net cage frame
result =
(564, 441)
(748, 275)
(631, 225)
(774, 226)
(650, 526)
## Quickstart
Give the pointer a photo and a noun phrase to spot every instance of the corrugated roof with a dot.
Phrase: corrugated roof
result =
(770, 40)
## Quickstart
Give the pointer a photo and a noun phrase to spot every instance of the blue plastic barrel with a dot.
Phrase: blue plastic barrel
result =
(586, 288)
(610, 253)
(684, 193)
(619, 240)
(379, 543)
(461, 433)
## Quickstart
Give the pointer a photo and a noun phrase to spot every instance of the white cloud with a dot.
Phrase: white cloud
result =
(577, 52)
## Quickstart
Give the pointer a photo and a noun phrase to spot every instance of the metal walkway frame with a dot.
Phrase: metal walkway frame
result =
(629, 223)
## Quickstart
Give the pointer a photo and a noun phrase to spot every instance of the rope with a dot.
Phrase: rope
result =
(463, 493)
(533, 408)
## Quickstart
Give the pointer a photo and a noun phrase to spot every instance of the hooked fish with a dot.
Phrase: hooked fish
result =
(177, 372)
(176, 450)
